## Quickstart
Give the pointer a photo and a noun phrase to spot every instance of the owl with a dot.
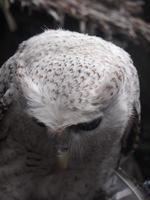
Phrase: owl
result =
(67, 100)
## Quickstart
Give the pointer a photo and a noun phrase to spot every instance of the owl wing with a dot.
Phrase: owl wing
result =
(6, 87)
(131, 138)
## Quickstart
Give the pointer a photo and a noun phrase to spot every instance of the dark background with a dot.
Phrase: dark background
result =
(31, 21)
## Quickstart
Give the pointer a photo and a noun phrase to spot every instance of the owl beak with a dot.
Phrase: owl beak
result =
(62, 151)
(63, 154)
(62, 159)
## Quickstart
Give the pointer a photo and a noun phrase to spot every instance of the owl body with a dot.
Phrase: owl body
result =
(85, 91)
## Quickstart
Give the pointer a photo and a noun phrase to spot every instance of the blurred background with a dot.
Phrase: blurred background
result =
(124, 22)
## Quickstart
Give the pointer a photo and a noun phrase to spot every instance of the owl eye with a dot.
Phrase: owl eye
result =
(88, 126)
(39, 123)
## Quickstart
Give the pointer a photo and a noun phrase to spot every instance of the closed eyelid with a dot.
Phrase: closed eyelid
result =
(88, 126)
(41, 124)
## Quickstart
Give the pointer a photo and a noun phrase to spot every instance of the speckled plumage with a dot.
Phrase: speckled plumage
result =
(61, 70)
(64, 78)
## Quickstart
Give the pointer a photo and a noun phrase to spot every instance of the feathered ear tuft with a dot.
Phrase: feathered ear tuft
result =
(106, 92)
(108, 88)
(31, 91)
(38, 102)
